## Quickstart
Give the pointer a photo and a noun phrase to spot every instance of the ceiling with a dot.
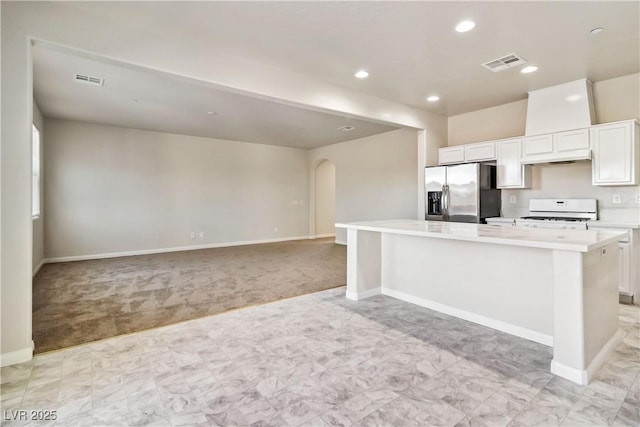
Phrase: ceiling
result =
(409, 48)
(145, 99)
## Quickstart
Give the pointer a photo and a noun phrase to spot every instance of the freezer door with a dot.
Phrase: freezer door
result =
(463, 196)
(435, 179)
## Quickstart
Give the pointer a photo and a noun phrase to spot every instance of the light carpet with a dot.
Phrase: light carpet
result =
(84, 301)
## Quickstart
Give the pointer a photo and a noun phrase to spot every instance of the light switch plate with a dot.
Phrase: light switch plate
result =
(615, 199)
(512, 200)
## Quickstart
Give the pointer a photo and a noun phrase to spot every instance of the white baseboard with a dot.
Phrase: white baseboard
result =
(173, 249)
(362, 295)
(321, 236)
(38, 267)
(18, 356)
(341, 242)
(472, 317)
(578, 376)
(584, 376)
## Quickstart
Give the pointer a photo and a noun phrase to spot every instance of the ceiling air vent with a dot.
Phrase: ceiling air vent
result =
(82, 78)
(505, 62)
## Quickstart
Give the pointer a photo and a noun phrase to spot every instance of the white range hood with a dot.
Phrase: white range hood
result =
(564, 107)
(568, 157)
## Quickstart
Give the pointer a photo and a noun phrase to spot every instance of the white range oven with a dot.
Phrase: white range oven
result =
(560, 213)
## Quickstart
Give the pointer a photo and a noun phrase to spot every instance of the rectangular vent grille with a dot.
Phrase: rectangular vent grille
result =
(82, 78)
(505, 62)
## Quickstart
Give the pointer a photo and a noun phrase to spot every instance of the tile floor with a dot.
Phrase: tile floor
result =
(321, 359)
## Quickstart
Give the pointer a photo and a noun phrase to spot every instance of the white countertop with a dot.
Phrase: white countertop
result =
(591, 223)
(568, 240)
(614, 224)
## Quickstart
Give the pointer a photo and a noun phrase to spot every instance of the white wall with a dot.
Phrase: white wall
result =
(498, 122)
(111, 189)
(376, 177)
(38, 224)
(325, 201)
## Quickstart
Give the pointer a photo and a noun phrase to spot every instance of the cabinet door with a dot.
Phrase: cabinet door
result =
(539, 144)
(450, 155)
(480, 152)
(512, 174)
(572, 140)
(625, 260)
(614, 154)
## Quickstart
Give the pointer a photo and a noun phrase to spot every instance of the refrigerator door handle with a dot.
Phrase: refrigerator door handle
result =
(445, 202)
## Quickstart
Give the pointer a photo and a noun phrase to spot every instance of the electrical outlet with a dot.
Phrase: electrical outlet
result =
(300, 202)
(275, 229)
(615, 199)
(512, 200)
(193, 234)
(201, 235)
(294, 203)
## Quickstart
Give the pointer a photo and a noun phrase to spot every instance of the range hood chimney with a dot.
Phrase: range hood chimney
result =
(563, 107)
(567, 106)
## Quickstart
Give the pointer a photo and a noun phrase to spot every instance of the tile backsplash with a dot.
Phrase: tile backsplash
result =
(573, 181)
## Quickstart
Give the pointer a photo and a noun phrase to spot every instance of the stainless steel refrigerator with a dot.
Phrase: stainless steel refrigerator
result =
(461, 193)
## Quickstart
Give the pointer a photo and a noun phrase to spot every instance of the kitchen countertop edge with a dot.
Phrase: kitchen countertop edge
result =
(516, 236)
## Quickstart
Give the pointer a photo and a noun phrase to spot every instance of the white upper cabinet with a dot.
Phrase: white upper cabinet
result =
(449, 155)
(511, 173)
(615, 153)
(556, 147)
(480, 152)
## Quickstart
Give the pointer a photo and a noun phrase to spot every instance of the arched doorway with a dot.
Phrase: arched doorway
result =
(325, 199)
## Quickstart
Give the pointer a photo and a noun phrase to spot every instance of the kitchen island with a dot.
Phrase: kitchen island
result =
(555, 287)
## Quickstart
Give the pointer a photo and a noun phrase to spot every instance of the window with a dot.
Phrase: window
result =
(35, 179)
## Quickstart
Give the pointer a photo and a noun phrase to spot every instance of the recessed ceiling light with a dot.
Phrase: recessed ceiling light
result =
(465, 26)
(362, 74)
(346, 128)
(134, 100)
(596, 30)
(213, 113)
(529, 69)
(433, 98)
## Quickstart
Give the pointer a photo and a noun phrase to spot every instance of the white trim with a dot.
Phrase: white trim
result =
(38, 267)
(173, 249)
(341, 242)
(320, 236)
(362, 295)
(472, 317)
(18, 356)
(578, 376)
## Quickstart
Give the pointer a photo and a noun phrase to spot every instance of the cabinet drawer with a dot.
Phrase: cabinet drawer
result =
(479, 152)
